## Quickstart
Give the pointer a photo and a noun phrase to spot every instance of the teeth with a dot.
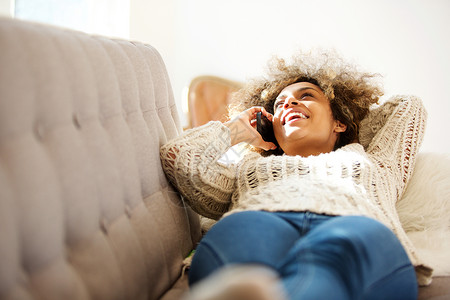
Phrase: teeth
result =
(299, 114)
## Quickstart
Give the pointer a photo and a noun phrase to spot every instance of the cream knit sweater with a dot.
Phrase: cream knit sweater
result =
(358, 179)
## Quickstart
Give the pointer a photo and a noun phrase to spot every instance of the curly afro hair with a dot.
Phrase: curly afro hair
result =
(351, 92)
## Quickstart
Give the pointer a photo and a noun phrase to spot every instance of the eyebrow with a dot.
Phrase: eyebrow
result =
(296, 91)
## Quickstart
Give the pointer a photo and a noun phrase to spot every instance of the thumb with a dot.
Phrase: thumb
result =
(267, 145)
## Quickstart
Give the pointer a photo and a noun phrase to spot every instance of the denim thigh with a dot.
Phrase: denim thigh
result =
(349, 257)
(249, 237)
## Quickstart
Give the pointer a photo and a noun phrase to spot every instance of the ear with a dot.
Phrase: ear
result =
(340, 127)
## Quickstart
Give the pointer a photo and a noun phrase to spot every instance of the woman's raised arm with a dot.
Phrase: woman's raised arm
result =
(393, 132)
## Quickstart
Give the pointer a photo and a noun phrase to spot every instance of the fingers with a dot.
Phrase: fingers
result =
(243, 128)
(251, 112)
(258, 140)
(267, 114)
(268, 146)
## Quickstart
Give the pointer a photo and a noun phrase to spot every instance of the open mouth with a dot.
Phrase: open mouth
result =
(294, 116)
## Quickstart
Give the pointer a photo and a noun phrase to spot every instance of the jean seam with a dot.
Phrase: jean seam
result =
(306, 223)
(301, 282)
(382, 279)
(214, 253)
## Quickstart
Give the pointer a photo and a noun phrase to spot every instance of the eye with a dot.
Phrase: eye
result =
(306, 95)
(278, 103)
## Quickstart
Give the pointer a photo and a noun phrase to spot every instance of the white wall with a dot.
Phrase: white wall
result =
(6, 8)
(407, 41)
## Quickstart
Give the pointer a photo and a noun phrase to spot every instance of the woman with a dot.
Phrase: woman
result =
(311, 216)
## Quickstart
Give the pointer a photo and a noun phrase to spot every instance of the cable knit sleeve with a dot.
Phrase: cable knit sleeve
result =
(392, 134)
(190, 161)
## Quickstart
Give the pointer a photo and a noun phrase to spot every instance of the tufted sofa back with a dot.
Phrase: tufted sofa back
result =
(85, 209)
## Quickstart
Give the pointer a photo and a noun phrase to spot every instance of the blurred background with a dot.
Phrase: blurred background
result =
(406, 41)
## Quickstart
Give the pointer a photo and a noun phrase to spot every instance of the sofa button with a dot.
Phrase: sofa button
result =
(128, 210)
(76, 122)
(104, 225)
(39, 131)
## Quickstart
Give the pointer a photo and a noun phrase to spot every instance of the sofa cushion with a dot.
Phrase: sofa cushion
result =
(85, 209)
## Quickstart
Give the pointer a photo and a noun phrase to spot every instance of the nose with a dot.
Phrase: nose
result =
(290, 102)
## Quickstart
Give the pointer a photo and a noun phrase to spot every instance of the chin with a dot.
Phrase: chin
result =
(292, 134)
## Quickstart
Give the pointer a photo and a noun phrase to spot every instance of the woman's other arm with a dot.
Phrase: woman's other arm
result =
(393, 134)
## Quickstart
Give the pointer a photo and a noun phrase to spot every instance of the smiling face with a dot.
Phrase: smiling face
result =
(303, 122)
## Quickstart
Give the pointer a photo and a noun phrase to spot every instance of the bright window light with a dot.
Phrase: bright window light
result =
(105, 17)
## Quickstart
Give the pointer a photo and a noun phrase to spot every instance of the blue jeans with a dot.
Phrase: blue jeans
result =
(316, 256)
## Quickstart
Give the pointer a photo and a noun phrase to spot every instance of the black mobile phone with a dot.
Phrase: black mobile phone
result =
(265, 127)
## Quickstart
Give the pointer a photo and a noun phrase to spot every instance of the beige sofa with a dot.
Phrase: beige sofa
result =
(85, 209)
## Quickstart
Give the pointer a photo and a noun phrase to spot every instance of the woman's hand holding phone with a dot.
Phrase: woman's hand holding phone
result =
(265, 128)
(244, 128)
